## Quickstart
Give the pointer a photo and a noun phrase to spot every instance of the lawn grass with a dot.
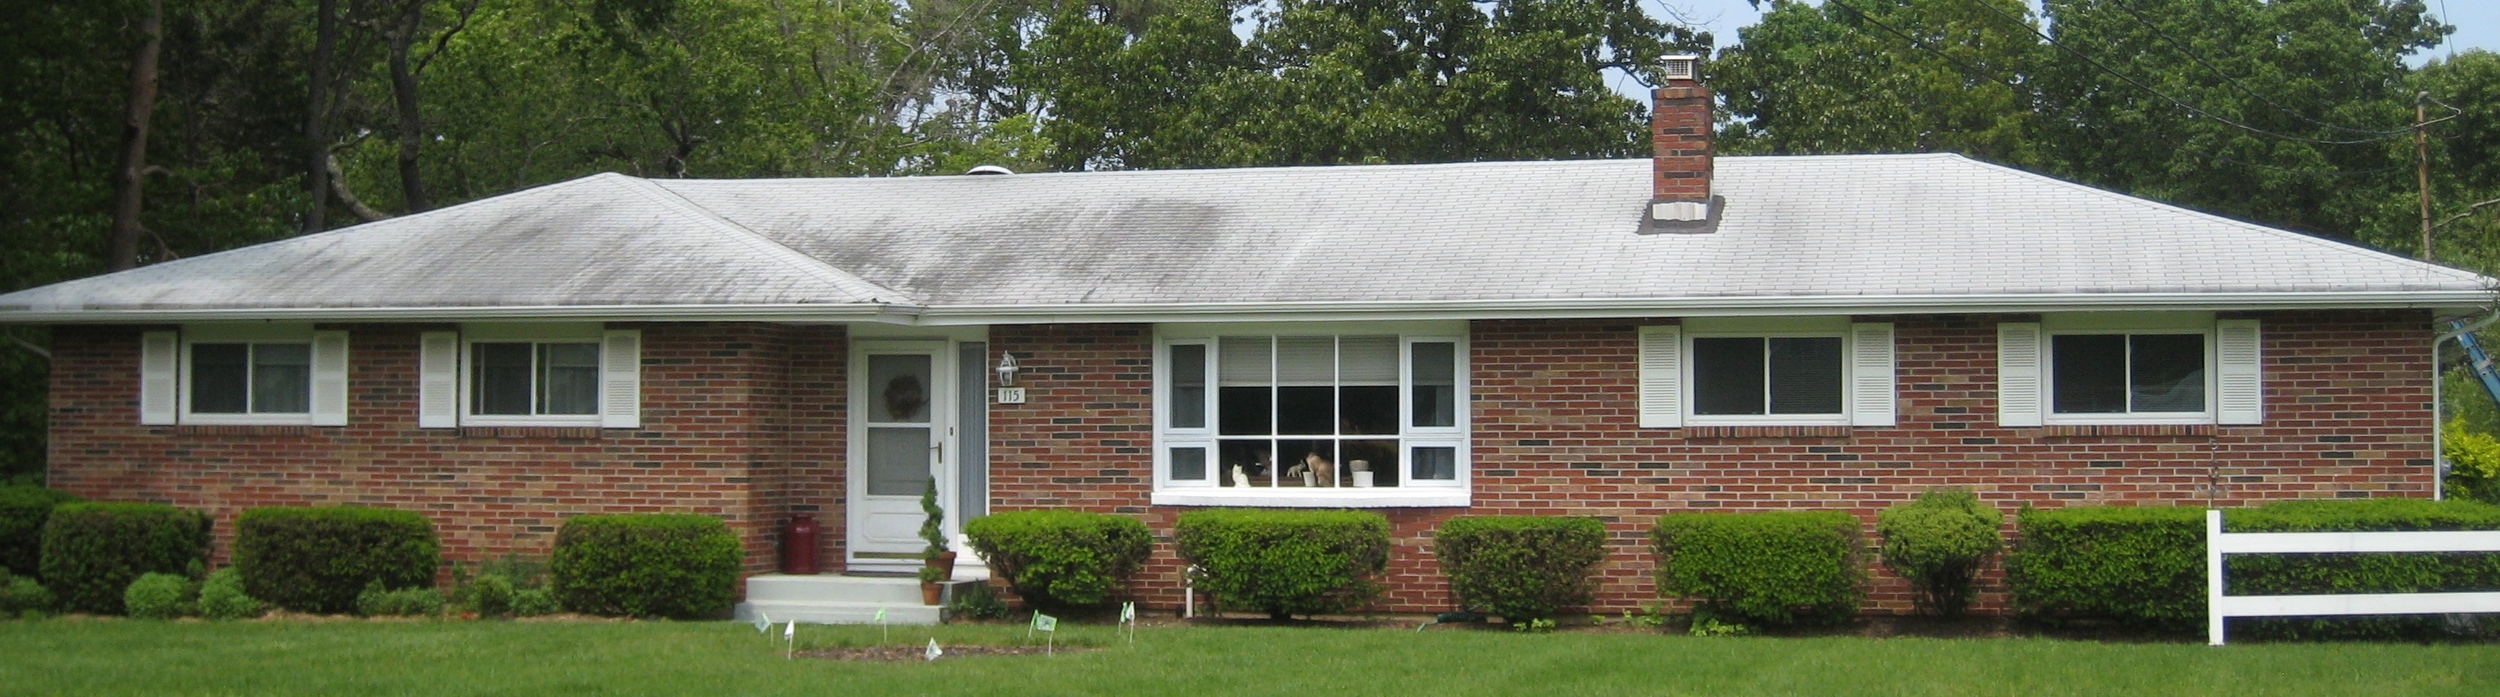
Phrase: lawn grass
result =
(524, 658)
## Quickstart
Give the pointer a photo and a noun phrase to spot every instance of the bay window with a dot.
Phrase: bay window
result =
(1299, 415)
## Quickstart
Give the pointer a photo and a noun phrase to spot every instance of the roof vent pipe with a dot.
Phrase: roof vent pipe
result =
(989, 169)
(1680, 123)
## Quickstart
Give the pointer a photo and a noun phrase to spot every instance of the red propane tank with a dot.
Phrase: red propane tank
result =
(798, 544)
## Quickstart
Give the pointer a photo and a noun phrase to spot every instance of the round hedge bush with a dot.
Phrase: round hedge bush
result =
(158, 597)
(1520, 567)
(1061, 558)
(680, 566)
(318, 559)
(92, 551)
(1285, 562)
(1938, 543)
(222, 597)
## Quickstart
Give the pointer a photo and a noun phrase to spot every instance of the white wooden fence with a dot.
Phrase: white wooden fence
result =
(2218, 543)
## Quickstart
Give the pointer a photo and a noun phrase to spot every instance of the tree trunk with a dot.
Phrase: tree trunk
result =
(316, 144)
(404, 94)
(133, 174)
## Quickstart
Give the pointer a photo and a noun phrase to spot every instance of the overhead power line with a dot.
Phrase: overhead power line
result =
(2175, 101)
(2236, 84)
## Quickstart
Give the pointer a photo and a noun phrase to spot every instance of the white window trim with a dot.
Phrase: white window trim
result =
(2055, 326)
(250, 334)
(1848, 380)
(1408, 494)
(470, 336)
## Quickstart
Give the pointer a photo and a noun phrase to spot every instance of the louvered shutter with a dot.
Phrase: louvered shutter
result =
(2239, 382)
(329, 379)
(620, 380)
(1662, 377)
(160, 368)
(1871, 374)
(438, 380)
(2018, 374)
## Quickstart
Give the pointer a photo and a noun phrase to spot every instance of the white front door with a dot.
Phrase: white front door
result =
(901, 434)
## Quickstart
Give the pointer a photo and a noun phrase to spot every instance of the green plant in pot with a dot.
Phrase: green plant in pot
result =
(933, 530)
(932, 590)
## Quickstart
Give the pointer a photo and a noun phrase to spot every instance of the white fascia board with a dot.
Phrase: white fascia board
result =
(1696, 307)
(953, 315)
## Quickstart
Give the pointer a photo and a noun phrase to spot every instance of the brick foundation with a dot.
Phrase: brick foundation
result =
(746, 421)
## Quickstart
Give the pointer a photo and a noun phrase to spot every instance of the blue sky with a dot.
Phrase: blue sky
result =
(2477, 21)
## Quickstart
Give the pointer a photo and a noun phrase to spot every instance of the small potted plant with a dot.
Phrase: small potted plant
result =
(932, 588)
(933, 530)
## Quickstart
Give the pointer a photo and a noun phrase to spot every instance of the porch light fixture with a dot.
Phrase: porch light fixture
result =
(1006, 369)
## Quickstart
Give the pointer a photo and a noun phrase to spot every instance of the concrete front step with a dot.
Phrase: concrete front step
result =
(838, 599)
(829, 612)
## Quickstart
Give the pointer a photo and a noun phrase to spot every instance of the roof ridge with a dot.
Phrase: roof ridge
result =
(840, 279)
(2339, 246)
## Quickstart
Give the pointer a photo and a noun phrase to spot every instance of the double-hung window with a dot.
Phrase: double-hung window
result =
(244, 375)
(1811, 371)
(2129, 368)
(1290, 415)
(531, 375)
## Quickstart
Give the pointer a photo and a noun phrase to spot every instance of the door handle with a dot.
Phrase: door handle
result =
(940, 447)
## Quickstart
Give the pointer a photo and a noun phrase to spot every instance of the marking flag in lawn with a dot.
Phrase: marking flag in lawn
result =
(934, 652)
(1128, 618)
(762, 624)
(790, 634)
(883, 635)
(1049, 627)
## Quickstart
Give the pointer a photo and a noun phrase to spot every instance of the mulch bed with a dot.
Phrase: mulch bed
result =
(915, 653)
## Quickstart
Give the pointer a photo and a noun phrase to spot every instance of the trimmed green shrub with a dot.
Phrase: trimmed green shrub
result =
(2142, 566)
(1520, 567)
(2473, 461)
(976, 601)
(23, 596)
(318, 559)
(1286, 562)
(1058, 558)
(375, 601)
(1774, 568)
(489, 595)
(92, 551)
(533, 602)
(222, 597)
(1938, 543)
(22, 512)
(660, 565)
(158, 597)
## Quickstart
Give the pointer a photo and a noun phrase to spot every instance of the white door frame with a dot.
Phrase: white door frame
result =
(872, 522)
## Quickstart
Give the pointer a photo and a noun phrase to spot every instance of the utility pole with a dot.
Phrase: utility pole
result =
(2422, 164)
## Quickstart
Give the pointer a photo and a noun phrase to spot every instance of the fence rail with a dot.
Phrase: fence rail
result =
(2219, 543)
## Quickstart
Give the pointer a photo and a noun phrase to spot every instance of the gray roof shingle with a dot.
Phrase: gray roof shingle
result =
(1844, 229)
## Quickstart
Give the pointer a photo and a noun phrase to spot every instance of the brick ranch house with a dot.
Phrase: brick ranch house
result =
(1619, 339)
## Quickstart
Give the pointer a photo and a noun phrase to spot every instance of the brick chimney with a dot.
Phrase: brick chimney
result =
(1679, 132)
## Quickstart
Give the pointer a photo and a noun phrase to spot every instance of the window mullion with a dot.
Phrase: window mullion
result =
(2126, 376)
(1767, 409)
(538, 359)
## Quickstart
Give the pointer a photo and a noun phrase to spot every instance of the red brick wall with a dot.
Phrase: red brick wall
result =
(715, 410)
(746, 421)
(2347, 415)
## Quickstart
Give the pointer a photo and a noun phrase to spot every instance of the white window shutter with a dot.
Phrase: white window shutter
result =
(438, 380)
(620, 380)
(160, 377)
(2018, 374)
(329, 379)
(2239, 383)
(1662, 377)
(1871, 374)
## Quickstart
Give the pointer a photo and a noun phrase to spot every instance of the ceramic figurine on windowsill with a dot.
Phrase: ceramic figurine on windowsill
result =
(1241, 480)
(1323, 472)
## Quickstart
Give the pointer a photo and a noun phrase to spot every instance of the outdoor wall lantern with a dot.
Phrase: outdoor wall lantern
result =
(1006, 369)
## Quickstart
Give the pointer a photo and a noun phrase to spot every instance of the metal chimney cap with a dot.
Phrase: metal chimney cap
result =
(1681, 66)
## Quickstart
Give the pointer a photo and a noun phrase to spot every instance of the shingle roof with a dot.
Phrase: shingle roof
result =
(1858, 230)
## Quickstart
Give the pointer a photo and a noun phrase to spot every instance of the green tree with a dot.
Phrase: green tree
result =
(1884, 76)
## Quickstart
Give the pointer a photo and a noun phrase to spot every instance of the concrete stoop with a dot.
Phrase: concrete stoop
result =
(839, 599)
